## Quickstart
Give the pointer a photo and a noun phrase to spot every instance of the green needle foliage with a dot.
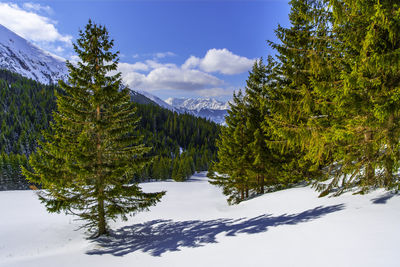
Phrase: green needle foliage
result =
(89, 155)
(327, 106)
(251, 158)
(233, 155)
(363, 137)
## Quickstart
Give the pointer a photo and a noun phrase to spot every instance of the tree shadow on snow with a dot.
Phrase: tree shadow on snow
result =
(384, 198)
(159, 236)
(198, 177)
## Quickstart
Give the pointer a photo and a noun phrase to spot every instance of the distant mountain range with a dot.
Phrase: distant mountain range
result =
(197, 104)
(209, 108)
(20, 56)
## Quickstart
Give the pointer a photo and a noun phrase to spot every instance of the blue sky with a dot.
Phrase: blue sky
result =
(183, 48)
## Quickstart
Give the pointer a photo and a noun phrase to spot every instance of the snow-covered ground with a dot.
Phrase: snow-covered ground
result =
(193, 226)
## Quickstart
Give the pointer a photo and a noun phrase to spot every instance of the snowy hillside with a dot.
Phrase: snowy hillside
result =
(208, 108)
(193, 226)
(20, 56)
(158, 101)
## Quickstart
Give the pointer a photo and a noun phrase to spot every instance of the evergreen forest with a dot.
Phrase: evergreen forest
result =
(180, 143)
(323, 109)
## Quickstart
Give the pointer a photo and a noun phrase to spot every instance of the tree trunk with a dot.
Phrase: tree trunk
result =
(369, 170)
(102, 226)
(262, 184)
(389, 162)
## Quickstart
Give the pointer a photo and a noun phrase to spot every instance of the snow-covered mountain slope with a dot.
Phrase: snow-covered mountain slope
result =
(208, 108)
(197, 104)
(215, 115)
(20, 56)
(194, 226)
(158, 101)
(141, 99)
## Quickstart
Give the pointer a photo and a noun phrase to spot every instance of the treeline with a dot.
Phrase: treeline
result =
(325, 106)
(10, 171)
(26, 110)
(181, 144)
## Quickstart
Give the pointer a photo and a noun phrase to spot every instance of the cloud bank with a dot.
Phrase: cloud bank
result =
(167, 76)
(195, 74)
(220, 60)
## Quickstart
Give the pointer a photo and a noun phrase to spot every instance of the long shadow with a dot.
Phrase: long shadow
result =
(159, 236)
(384, 198)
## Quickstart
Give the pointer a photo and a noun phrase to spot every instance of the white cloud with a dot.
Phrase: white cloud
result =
(191, 62)
(166, 76)
(214, 92)
(30, 25)
(154, 56)
(37, 7)
(153, 64)
(164, 54)
(193, 75)
(127, 67)
(220, 60)
(176, 78)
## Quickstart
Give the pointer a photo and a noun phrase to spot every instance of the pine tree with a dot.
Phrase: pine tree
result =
(90, 153)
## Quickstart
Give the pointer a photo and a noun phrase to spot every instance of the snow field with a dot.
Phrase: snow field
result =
(194, 226)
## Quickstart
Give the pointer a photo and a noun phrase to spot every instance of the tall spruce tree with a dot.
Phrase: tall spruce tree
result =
(367, 93)
(256, 111)
(291, 93)
(230, 171)
(89, 155)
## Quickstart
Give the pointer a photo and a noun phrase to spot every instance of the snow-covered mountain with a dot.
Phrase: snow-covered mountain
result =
(198, 103)
(20, 56)
(208, 108)
(159, 101)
